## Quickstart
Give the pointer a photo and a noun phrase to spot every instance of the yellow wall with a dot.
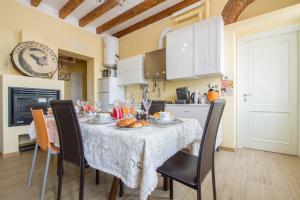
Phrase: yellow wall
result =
(146, 40)
(21, 23)
(9, 135)
(80, 66)
(259, 7)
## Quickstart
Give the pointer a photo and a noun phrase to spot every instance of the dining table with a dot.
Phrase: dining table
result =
(130, 155)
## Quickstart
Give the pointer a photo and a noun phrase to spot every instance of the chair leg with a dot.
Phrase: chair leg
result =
(32, 164)
(171, 188)
(60, 173)
(121, 192)
(46, 174)
(199, 193)
(97, 177)
(165, 185)
(81, 187)
(214, 182)
(58, 165)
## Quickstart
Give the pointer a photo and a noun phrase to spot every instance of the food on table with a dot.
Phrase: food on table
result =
(125, 122)
(131, 123)
(136, 124)
(156, 115)
(144, 122)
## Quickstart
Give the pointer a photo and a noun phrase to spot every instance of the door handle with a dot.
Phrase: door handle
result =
(246, 95)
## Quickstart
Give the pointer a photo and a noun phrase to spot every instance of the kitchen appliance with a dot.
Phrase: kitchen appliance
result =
(111, 51)
(21, 100)
(109, 73)
(195, 97)
(183, 95)
(203, 99)
(109, 91)
(155, 64)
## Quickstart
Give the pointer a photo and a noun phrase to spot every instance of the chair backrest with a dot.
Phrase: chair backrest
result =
(208, 140)
(71, 146)
(42, 137)
(156, 106)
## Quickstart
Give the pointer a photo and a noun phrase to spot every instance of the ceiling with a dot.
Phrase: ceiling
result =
(52, 7)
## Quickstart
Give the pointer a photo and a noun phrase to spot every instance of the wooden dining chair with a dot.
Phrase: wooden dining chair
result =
(71, 145)
(42, 141)
(156, 106)
(191, 170)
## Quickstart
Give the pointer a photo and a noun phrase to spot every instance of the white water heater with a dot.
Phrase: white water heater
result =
(111, 51)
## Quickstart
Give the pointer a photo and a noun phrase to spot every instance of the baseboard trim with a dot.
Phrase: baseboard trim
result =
(9, 155)
(231, 149)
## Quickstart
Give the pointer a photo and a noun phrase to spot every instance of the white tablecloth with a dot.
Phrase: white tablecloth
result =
(134, 155)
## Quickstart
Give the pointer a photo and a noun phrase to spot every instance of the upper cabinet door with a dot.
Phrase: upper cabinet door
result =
(180, 53)
(209, 39)
(201, 36)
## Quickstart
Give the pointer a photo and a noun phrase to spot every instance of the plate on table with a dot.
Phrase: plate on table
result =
(135, 124)
(95, 122)
(127, 128)
(166, 122)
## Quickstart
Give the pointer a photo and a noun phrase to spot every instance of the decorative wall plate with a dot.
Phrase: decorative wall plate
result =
(34, 59)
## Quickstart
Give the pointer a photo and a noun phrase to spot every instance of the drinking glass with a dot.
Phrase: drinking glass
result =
(147, 103)
(98, 106)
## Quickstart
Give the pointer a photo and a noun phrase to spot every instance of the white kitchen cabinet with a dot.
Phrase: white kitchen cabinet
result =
(196, 50)
(194, 111)
(209, 47)
(131, 71)
(180, 53)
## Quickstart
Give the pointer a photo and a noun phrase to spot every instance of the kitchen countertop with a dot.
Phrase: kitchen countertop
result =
(185, 105)
(191, 104)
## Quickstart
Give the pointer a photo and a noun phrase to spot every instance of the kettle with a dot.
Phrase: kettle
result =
(195, 97)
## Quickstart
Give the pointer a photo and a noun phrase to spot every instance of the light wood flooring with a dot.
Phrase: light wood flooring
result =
(242, 175)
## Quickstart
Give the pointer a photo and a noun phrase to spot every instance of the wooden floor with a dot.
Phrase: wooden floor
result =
(245, 174)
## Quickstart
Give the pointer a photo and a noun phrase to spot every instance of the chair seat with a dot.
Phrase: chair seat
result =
(181, 167)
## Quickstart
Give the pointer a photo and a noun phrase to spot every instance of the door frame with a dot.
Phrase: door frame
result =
(295, 28)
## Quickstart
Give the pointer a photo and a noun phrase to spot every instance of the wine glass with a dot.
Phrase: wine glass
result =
(147, 103)
(98, 106)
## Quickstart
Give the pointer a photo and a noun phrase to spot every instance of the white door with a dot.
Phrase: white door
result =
(180, 53)
(76, 86)
(267, 93)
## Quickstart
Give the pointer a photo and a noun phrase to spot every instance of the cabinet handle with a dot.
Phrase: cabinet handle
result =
(186, 111)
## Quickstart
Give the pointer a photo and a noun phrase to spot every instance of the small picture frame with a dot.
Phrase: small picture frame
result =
(64, 76)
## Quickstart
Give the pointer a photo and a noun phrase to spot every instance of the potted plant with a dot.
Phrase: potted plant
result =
(213, 93)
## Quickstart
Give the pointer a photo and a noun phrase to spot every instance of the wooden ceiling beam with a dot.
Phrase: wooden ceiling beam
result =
(233, 9)
(35, 3)
(136, 10)
(97, 12)
(69, 7)
(154, 18)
